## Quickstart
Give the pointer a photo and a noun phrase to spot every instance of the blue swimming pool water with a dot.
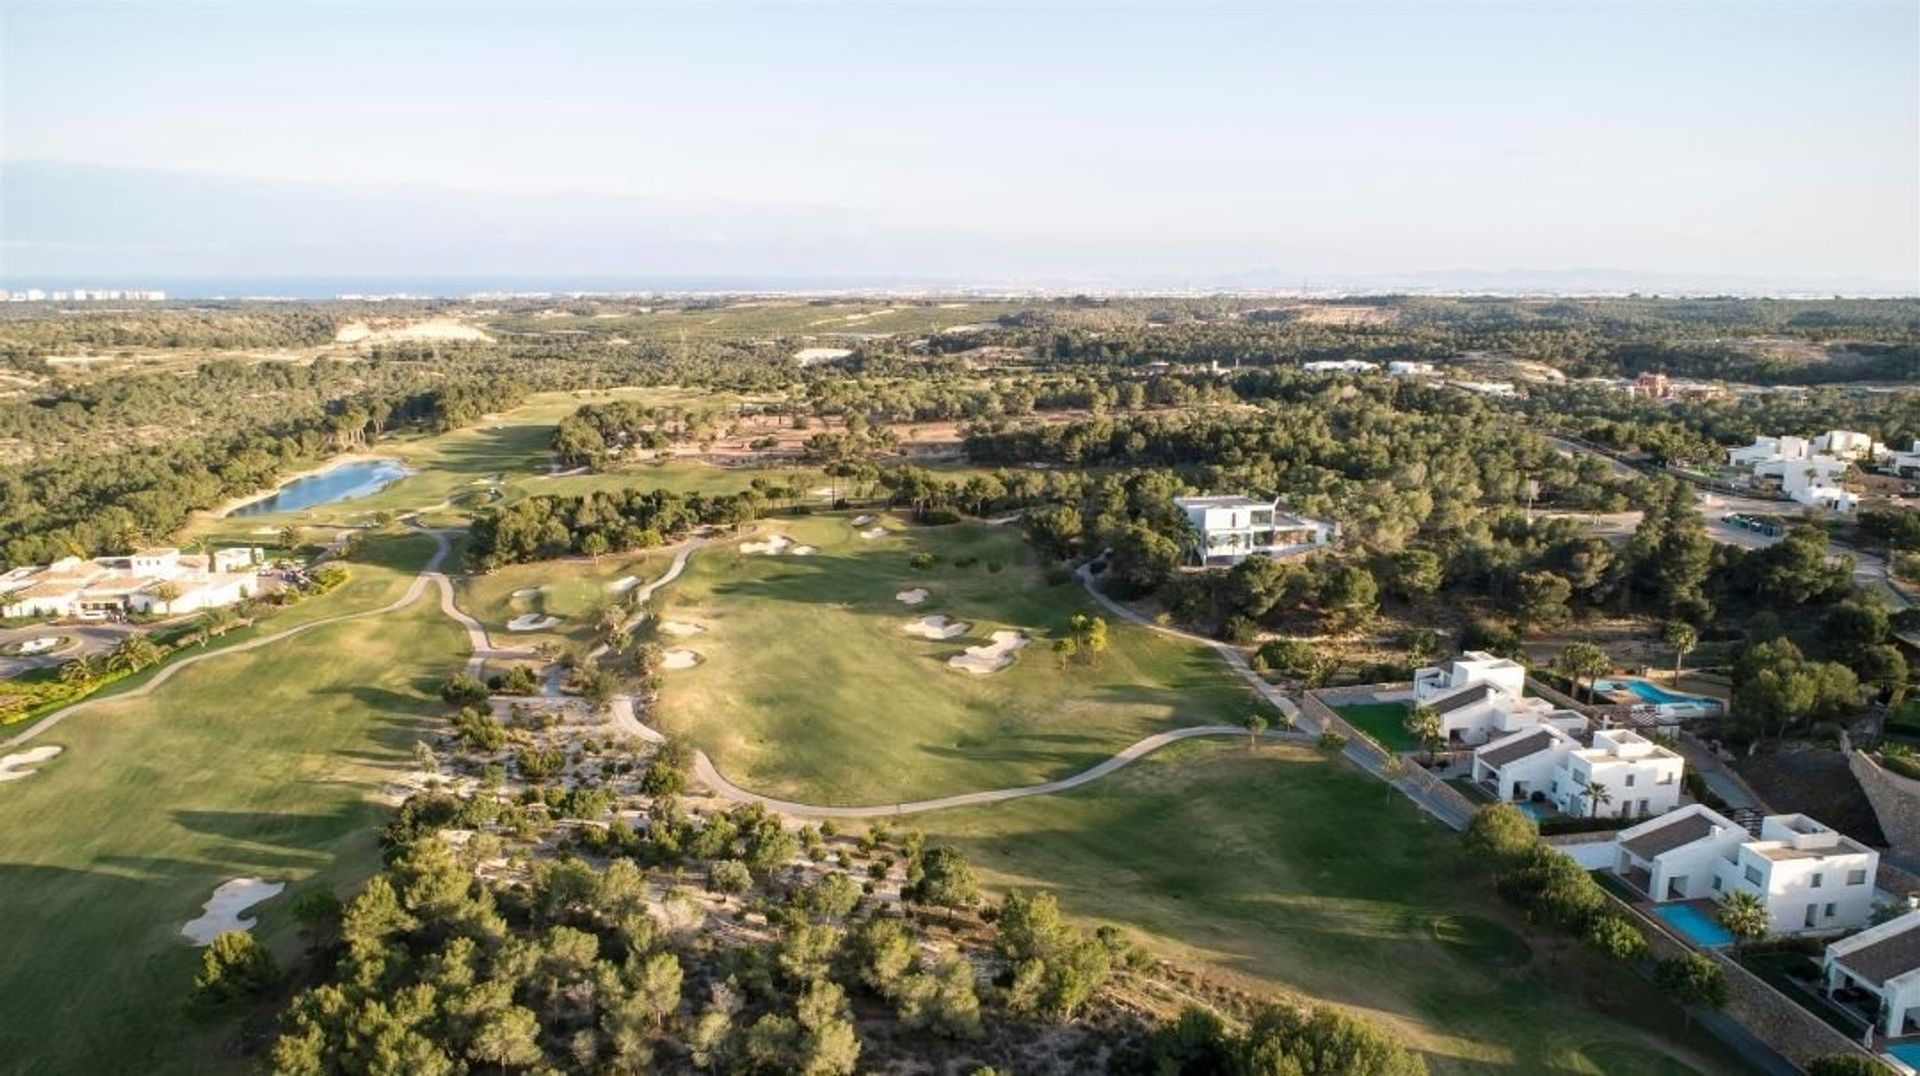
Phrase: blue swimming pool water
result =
(1697, 925)
(337, 484)
(1908, 1053)
(1535, 811)
(1653, 693)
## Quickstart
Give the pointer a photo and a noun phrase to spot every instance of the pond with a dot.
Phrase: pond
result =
(345, 482)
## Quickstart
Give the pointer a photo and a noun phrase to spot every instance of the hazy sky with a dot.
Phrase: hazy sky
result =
(1751, 138)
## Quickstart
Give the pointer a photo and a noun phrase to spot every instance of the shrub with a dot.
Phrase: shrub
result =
(922, 561)
(1332, 741)
(463, 690)
(1240, 631)
(235, 968)
(1692, 980)
(939, 516)
(1846, 1065)
(1288, 657)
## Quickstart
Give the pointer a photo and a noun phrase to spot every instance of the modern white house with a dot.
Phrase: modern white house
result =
(1812, 878)
(1904, 464)
(1409, 368)
(161, 581)
(1229, 529)
(1641, 778)
(1812, 472)
(1878, 972)
(1481, 698)
(1341, 366)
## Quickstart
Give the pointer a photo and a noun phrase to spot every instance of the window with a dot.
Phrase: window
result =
(1716, 883)
(1830, 910)
(1630, 778)
(1753, 875)
(1856, 877)
(1817, 879)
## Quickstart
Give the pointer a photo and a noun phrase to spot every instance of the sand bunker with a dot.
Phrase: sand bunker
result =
(997, 655)
(679, 659)
(772, 547)
(911, 597)
(15, 766)
(874, 532)
(532, 622)
(222, 910)
(804, 550)
(937, 627)
(861, 521)
(623, 584)
(679, 628)
(527, 594)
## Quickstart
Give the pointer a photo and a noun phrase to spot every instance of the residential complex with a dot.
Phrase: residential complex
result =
(1628, 775)
(162, 581)
(1810, 877)
(1229, 529)
(1877, 972)
(1812, 472)
(1481, 698)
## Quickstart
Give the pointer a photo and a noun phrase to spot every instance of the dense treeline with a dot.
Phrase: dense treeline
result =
(541, 528)
(100, 502)
(250, 325)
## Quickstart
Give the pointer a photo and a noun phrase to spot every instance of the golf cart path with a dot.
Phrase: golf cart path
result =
(429, 573)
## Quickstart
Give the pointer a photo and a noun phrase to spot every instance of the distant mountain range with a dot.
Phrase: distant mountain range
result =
(64, 225)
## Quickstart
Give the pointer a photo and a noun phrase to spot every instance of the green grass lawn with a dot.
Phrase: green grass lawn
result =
(1384, 721)
(256, 763)
(1290, 872)
(573, 590)
(810, 690)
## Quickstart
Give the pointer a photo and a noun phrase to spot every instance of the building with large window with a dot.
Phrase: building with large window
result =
(1229, 529)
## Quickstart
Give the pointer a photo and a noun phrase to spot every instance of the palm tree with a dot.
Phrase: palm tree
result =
(1582, 660)
(1423, 724)
(131, 654)
(1597, 796)
(78, 673)
(1744, 915)
(1256, 724)
(1679, 635)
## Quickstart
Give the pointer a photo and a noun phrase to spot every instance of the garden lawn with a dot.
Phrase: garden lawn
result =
(809, 689)
(1293, 873)
(256, 763)
(1384, 721)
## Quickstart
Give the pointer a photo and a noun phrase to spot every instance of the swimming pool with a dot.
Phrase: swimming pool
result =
(1657, 695)
(1697, 925)
(1907, 1053)
(1536, 811)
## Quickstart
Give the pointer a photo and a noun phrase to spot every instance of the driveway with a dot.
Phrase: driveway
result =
(93, 639)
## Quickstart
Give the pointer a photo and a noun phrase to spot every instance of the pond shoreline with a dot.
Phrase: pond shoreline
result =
(227, 509)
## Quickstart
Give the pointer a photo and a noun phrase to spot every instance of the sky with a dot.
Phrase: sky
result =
(1747, 140)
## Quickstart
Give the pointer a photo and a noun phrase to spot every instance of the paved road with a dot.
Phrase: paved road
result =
(93, 639)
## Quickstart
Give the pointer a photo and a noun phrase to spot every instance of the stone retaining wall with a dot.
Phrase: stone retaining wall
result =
(1895, 800)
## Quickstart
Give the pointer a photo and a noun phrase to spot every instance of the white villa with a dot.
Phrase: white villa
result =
(162, 581)
(1641, 778)
(1340, 366)
(1878, 972)
(1904, 464)
(1409, 368)
(1229, 529)
(1812, 472)
(1811, 877)
(1482, 698)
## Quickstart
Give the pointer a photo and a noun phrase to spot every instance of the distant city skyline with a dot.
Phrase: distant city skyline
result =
(1746, 147)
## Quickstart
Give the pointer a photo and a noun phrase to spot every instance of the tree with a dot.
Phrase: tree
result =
(1845, 1065)
(595, 546)
(1681, 637)
(729, 877)
(164, 594)
(1744, 915)
(133, 653)
(1596, 794)
(1350, 598)
(1287, 1041)
(235, 968)
(1256, 724)
(289, 538)
(946, 880)
(1541, 598)
(1423, 724)
(79, 673)
(1582, 660)
(1775, 688)
(1616, 937)
(509, 1038)
(1417, 573)
(1502, 834)
(1692, 980)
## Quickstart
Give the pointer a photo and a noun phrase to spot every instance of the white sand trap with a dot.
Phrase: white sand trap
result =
(527, 594)
(995, 656)
(532, 622)
(823, 492)
(222, 910)
(861, 521)
(911, 597)
(39, 646)
(679, 659)
(772, 547)
(804, 550)
(937, 627)
(680, 628)
(15, 766)
(874, 532)
(623, 584)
